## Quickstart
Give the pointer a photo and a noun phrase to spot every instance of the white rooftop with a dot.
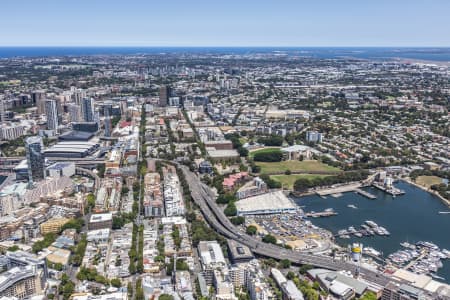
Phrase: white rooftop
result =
(272, 201)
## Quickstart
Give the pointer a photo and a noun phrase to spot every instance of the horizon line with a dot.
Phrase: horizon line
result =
(208, 46)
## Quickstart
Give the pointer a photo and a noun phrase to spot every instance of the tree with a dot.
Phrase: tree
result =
(251, 230)
(272, 156)
(90, 202)
(301, 184)
(115, 282)
(238, 220)
(305, 268)
(13, 248)
(230, 210)
(273, 140)
(76, 224)
(290, 275)
(270, 239)
(165, 297)
(369, 296)
(285, 263)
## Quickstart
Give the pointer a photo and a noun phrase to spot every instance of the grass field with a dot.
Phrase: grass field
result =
(287, 181)
(262, 150)
(295, 166)
(428, 181)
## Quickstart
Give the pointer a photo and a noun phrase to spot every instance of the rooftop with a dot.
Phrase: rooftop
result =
(271, 201)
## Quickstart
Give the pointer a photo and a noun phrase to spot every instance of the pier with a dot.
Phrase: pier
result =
(392, 190)
(365, 194)
(321, 214)
(338, 189)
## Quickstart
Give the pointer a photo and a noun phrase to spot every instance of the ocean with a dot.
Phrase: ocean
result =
(429, 54)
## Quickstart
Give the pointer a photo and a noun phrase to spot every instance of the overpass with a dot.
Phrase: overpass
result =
(89, 173)
(204, 197)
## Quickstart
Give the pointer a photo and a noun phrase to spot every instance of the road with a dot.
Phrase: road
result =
(204, 197)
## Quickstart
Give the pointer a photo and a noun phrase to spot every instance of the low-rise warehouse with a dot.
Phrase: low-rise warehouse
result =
(71, 149)
(270, 203)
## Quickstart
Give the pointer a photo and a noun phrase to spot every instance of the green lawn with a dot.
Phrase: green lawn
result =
(428, 181)
(287, 181)
(295, 166)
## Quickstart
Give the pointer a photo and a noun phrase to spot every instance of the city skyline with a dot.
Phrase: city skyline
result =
(246, 24)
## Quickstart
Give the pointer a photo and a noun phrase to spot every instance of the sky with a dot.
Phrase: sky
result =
(288, 23)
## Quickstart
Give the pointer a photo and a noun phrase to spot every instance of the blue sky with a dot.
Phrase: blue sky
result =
(225, 23)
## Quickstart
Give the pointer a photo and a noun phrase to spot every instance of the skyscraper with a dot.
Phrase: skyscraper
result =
(107, 113)
(78, 95)
(164, 94)
(87, 109)
(74, 112)
(51, 111)
(35, 158)
(2, 110)
(38, 99)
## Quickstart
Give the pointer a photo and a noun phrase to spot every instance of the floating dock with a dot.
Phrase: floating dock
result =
(365, 194)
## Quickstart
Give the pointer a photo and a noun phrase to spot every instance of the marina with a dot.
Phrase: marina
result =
(420, 258)
(398, 215)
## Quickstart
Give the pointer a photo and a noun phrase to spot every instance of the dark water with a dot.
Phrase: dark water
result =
(2, 178)
(412, 217)
(433, 54)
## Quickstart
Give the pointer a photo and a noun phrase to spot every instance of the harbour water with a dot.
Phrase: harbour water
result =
(412, 217)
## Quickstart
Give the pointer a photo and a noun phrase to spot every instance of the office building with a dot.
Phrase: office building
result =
(211, 258)
(164, 94)
(20, 282)
(107, 112)
(38, 99)
(100, 221)
(35, 158)
(239, 253)
(314, 137)
(85, 126)
(78, 95)
(74, 113)
(2, 109)
(88, 110)
(11, 132)
(52, 115)
(53, 225)
(394, 291)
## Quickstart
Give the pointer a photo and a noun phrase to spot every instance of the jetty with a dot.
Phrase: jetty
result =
(321, 214)
(338, 189)
(391, 190)
(365, 194)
